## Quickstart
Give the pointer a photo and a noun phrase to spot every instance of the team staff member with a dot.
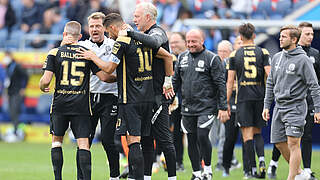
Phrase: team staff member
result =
(177, 41)
(249, 64)
(133, 62)
(154, 36)
(199, 74)
(291, 76)
(71, 102)
(231, 129)
(313, 54)
(306, 140)
(104, 95)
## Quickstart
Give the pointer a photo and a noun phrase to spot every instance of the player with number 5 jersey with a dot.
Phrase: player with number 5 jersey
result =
(250, 66)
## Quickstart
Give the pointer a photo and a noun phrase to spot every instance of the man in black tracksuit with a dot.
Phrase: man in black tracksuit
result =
(306, 140)
(154, 36)
(199, 74)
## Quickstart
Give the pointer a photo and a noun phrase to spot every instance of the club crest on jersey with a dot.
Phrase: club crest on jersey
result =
(200, 67)
(312, 59)
(108, 51)
(184, 61)
(201, 63)
(290, 69)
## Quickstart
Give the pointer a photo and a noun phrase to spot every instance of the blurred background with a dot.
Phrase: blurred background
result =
(30, 28)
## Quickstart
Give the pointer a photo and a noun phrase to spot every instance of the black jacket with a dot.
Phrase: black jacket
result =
(202, 82)
(18, 78)
(314, 56)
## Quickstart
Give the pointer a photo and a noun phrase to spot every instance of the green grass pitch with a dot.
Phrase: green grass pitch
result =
(26, 161)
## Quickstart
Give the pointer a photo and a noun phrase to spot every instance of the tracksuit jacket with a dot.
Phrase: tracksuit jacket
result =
(200, 76)
(291, 75)
(314, 57)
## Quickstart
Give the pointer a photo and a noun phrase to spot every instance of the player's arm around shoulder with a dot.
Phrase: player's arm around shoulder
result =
(107, 67)
(109, 78)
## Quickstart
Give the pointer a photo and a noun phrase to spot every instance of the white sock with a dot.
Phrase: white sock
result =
(197, 173)
(273, 163)
(114, 178)
(307, 170)
(207, 169)
(172, 178)
(261, 158)
(254, 170)
(147, 178)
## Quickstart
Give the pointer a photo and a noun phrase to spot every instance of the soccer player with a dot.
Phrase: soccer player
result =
(154, 36)
(71, 102)
(249, 64)
(103, 95)
(133, 62)
(199, 74)
(291, 76)
(306, 140)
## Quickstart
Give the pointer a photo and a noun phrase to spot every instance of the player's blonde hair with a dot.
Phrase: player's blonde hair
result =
(73, 28)
(97, 15)
(148, 8)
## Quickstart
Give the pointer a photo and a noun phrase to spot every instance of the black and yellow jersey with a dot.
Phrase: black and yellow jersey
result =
(249, 62)
(71, 95)
(134, 72)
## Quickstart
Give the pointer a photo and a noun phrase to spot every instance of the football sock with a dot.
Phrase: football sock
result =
(79, 172)
(275, 154)
(250, 154)
(85, 163)
(207, 169)
(306, 152)
(136, 161)
(148, 154)
(245, 161)
(57, 162)
(113, 158)
(273, 163)
(259, 145)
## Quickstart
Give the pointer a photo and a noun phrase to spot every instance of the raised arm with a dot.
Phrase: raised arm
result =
(108, 67)
(153, 40)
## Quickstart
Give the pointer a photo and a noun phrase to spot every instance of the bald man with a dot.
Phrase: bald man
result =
(199, 73)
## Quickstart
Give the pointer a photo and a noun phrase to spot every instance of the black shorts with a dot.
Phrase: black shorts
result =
(80, 125)
(134, 119)
(189, 124)
(249, 114)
